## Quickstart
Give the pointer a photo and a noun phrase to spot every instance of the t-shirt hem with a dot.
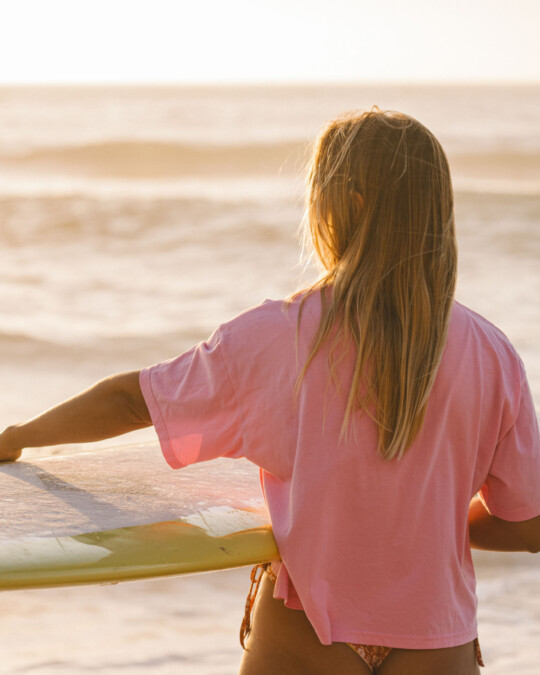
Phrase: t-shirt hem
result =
(291, 603)
(405, 641)
(515, 515)
(157, 420)
(390, 639)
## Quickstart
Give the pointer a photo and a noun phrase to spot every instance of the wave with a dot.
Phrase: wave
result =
(150, 159)
(232, 190)
(20, 347)
(496, 159)
(223, 172)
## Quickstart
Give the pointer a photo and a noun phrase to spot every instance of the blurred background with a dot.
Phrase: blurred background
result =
(152, 162)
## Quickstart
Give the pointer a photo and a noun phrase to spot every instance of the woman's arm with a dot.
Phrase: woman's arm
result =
(111, 407)
(490, 533)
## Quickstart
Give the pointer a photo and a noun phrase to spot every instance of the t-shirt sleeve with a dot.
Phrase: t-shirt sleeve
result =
(512, 488)
(193, 406)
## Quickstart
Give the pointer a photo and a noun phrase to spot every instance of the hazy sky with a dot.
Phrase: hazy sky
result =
(44, 41)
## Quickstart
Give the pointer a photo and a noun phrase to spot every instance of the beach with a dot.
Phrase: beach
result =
(135, 220)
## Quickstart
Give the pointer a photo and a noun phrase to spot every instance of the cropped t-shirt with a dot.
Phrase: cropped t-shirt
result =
(374, 551)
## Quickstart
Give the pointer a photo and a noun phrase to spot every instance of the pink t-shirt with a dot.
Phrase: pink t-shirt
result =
(374, 551)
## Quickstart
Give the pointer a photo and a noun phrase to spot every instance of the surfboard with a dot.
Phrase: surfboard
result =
(121, 514)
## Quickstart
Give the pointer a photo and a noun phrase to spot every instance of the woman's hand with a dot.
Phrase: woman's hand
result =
(9, 451)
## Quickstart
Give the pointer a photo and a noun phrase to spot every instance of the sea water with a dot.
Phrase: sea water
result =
(134, 220)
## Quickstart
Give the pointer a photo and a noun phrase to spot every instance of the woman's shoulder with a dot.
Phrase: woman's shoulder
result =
(266, 335)
(275, 315)
(472, 331)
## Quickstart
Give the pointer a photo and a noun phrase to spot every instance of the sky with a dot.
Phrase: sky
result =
(259, 41)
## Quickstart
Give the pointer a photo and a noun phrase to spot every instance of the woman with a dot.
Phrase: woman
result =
(376, 407)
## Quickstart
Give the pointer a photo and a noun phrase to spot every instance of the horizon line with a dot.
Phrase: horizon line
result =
(273, 83)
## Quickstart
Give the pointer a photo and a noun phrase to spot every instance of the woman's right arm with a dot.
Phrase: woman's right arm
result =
(111, 407)
(489, 533)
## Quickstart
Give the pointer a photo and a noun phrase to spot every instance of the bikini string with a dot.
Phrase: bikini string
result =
(256, 576)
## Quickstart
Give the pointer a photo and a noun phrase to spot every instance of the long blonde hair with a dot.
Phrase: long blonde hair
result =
(380, 216)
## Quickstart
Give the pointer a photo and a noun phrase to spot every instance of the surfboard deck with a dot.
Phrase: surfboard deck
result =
(122, 514)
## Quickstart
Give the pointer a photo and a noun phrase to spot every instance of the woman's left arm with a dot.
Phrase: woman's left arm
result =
(112, 407)
(489, 533)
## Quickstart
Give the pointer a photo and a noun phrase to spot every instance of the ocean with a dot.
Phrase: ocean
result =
(134, 220)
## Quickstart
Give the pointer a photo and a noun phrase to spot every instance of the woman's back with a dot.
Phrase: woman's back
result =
(364, 539)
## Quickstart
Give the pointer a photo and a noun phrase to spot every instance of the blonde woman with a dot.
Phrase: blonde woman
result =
(377, 408)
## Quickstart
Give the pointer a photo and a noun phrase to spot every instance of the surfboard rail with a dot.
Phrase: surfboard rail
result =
(130, 553)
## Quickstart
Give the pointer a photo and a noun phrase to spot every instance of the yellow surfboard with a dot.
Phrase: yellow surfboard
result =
(120, 514)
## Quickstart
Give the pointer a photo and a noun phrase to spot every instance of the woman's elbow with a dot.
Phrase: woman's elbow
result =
(528, 532)
(134, 408)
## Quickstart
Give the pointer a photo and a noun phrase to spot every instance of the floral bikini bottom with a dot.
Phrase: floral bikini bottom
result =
(372, 655)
